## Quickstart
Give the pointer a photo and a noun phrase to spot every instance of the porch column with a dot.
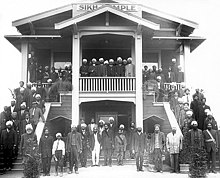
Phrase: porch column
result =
(24, 66)
(186, 57)
(138, 70)
(75, 79)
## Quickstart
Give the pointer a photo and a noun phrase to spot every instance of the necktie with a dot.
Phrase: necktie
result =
(57, 144)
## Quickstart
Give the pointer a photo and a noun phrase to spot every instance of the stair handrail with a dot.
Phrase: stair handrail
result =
(171, 117)
(40, 126)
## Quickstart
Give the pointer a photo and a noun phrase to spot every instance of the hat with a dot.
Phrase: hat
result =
(33, 88)
(119, 59)
(34, 102)
(111, 118)
(106, 62)
(189, 112)
(9, 123)
(13, 100)
(209, 113)
(58, 135)
(101, 121)
(73, 126)
(84, 60)
(159, 77)
(157, 125)
(101, 59)
(173, 60)
(37, 96)
(194, 122)
(207, 110)
(93, 60)
(23, 104)
(121, 126)
(49, 81)
(28, 127)
(83, 125)
(129, 59)
(111, 60)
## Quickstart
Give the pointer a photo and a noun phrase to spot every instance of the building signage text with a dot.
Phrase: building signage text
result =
(92, 7)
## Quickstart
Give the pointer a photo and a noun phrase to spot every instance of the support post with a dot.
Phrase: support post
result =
(138, 70)
(186, 57)
(24, 62)
(75, 78)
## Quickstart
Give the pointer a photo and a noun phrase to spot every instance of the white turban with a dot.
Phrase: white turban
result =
(9, 123)
(83, 125)
(194, 122)
(23, 104)
(49, 80)
(207, 110)
(189, 112)
(173, 60)
(106, 62)
(37, 96)
(101, 121)
(121, 126)
(33, 88)
(159, 77)
(29, 127)
(58, 135)
(84, 60)
(111, 118)
(101, 59)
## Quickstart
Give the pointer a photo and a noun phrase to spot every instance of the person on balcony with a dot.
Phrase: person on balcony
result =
(46, 74)
(129, 68)
(154, 70)
(211, 146)
(93, 68)
(174, 68)
(120, 145)
(40, 73)
(174, 145)
(107, 145)
(45, 150)
(53, 75)
(170, 77)
(124, 62)
(180, 75)
(32, 68)
(60, 74)
(139, 147)
(158, 147)
(111, 69)
(160, 73)
(49, 94)
(120, 68)
(95, 144)
(145, 74)
(101, 68)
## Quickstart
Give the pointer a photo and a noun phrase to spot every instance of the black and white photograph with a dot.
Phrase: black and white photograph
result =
(109, 88)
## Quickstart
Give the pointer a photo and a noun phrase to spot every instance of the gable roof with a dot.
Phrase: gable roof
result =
(107, 8)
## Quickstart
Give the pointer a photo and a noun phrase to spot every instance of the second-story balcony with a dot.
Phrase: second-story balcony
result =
(107, 84)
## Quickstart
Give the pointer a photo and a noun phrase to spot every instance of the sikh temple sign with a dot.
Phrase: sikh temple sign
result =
(92, 7)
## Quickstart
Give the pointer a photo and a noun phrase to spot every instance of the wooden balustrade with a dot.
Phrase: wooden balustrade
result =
(107, 84)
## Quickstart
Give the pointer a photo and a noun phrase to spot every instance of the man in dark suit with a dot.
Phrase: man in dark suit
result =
(95, 142)
(3, 118)
(111, 70)
(45, 149)
(25, 122)
(202, 114)
(120, 68)
(112, 125)
(138, 147)
(211, 146)
(74, 148)
(107, 144)
(8, 144)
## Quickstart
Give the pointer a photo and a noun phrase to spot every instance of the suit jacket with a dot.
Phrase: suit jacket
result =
(162, 141)
(101, 70)
(92, 140)
(45, 146)
(78, 142)
(111, 71)
(212, 121)
(37, 115)
(120, 142)
(3, 119)
(210, 145)
(120, 70)
(138, 142)
(90, 129)
(107, 139)
(8, 139)
(192, 135)
(23, 125)
(170, 77)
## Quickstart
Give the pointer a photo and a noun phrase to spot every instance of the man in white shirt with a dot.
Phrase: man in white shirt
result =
(58, 153)
(95, 141)
(174, 145)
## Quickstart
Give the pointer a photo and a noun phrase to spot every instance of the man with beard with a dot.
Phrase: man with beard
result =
(160, 73)
(158, 147)
(129, 68)
(53, 75)
(46, 74)
(194, 105)
(84, 69)
(95, 142)
(40, 90)
(101, 68)
(93, 68)
(210, 119)
(8, 145)
(3, 118)
(202, 114)
(74, 148)
(211, 146)
(195, 136)
(112, 125)
(120, 145)
(111, 69)
(130, 135)
(85, 145)
(120, 68)
(101, 127)
(45, 149)
(170, 76)
(91, 126)
(138, 147)
(107, 145)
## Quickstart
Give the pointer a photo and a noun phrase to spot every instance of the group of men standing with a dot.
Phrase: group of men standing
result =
(111, 68)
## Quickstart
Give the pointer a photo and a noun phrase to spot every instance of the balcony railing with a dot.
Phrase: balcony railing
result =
(107, 84)
(167, 86)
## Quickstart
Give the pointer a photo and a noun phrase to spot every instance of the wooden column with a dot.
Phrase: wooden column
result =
(51, 58)
(138, 70)
(24, 62)
(186, 57)
(75, 78)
